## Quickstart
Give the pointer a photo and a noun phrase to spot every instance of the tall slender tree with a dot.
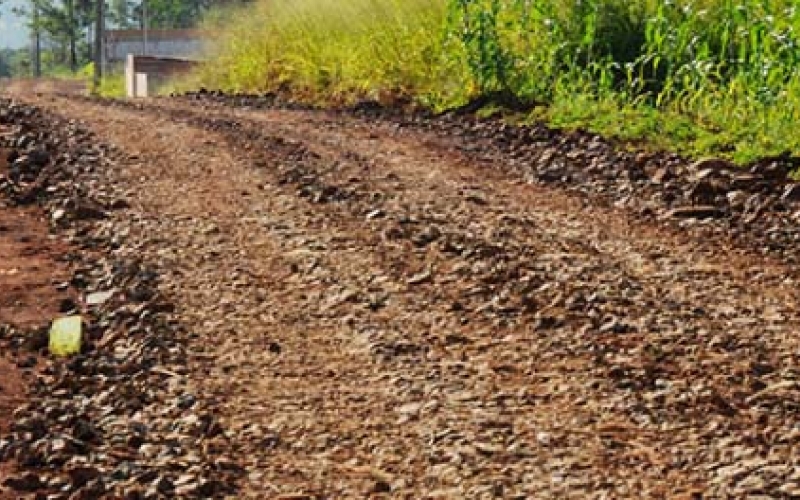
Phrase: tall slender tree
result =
(58, 27)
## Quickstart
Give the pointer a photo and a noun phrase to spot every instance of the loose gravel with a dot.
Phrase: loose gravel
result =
(347, 305)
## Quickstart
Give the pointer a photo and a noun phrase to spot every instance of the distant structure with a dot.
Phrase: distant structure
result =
(151, 57)
(180, 44)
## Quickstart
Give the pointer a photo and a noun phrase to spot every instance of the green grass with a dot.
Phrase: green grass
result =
(703, 77)
(334, 49)
(112, 85)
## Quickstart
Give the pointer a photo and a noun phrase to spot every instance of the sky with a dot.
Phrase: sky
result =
(12, 29)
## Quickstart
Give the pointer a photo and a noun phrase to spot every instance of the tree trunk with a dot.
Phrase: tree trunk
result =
(98, 43)
(72, 33)
(37, 43)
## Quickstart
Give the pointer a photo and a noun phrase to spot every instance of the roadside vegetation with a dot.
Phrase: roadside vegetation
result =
(704, 77)
(65, 28)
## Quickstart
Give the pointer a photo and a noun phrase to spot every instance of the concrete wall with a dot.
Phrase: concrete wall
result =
(181, 44)
(144, 74)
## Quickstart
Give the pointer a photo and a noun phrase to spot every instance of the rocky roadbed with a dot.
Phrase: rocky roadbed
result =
(757, 205)
(116, 420)
(366, 305)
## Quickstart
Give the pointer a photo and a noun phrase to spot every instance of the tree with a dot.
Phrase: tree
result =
(121, 13)
(14, 62)
(61, 24)
(5, 65)
(166, 14)
(175, 13)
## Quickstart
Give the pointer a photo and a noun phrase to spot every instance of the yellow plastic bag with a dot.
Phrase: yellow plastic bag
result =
(65, 336)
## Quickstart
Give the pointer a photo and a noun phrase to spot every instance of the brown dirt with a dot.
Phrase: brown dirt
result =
(377, 315)
(45, 85)
(29, 271)
(12, 394)
(31, 265)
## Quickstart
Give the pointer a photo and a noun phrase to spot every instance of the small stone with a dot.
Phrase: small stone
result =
(375, 214)
(80, 476)
(427, 236)
(24, 482)
(662, 175)
(60, 446)
(186, 401)
(38, 157)
(86, 209)
(704, 192)
(84, 431)
(543, 438)
(711, 164)
(58, 215)
(616, 326)
(744, 181)
(476, 198)
(164, 485)
(94, 489)
(552, 173)
(791, 193)
(697, 212)
(99, 298)
(419, 278)
(119, 204)
(381, 487)
(67, 305)
(737, 199)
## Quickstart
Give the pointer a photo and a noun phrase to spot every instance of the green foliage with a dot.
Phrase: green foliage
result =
(702, 76)
(62, 25)
(160, 13)
(112, 85)
(335, 48)
(65, 25)
(173, 13)
(5, 66)
(478, 26)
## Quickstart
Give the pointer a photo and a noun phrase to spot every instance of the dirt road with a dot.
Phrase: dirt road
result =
(376, 312)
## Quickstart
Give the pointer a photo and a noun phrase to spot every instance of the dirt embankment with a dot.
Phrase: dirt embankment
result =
(381, 307)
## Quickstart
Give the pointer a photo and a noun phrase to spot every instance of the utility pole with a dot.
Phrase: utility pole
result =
(98, 43)
(73, 54)
(37, 42)
(144, 27)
